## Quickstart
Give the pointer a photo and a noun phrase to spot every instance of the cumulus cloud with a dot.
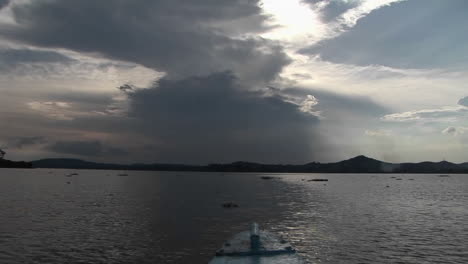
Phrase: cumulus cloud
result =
(84, 106)
(198, 112)
(449, 131)
(54, 110)
(447, 114)
(463, 101)
(454, 131)
(339, 16)
(332, 9)
(331, 105)
(177, 37)
(414, 40)
(307, 106)
(210, 65)
(212, 118)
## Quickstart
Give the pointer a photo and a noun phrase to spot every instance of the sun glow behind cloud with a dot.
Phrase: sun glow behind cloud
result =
(295, 20)
(300, 25)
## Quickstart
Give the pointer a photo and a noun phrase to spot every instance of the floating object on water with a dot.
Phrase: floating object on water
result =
(269, 178)
(256, 246)
(317, 180)
(122, 174)
(444, 175)
(72, 174)
(230, 205)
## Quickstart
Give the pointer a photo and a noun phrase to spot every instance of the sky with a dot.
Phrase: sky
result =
(215, 81)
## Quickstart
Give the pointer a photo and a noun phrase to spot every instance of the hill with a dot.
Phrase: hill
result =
(359, 164)
(14, 164)
(81, 164)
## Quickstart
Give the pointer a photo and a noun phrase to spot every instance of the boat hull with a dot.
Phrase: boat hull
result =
(271, 250)
(281, 259)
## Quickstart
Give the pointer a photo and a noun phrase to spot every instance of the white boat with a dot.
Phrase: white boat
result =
(256, 247)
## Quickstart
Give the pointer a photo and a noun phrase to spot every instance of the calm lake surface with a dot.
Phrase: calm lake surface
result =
(176, 217)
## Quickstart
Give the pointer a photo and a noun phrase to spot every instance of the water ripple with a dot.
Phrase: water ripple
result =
(156, 217)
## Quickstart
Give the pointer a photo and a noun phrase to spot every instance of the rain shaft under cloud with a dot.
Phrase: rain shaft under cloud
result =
(213, 118)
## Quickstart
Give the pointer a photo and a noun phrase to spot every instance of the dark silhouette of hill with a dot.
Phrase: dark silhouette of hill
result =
(4, 163)
(359, 164)
(433, 167)
(14, 164)
(81, 164)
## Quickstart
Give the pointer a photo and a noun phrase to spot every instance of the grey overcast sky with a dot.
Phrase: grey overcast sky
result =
(225, 80)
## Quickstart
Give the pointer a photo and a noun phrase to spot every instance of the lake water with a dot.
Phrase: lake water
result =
(177, 217)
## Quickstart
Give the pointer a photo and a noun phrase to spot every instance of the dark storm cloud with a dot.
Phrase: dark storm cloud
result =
(211, 119)
(408, 34)
(215, 119)
(84, 148)
(3, 3)
(332, 8)
(463, 101)
(179, 37)
(205, 110)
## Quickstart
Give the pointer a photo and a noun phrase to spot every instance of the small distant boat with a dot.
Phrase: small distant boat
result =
(229, 205)
(256, 246)
(311, 180)
(268, 178)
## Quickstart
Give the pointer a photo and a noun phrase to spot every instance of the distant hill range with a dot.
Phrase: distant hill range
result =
(14, 164)
(359, 164)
